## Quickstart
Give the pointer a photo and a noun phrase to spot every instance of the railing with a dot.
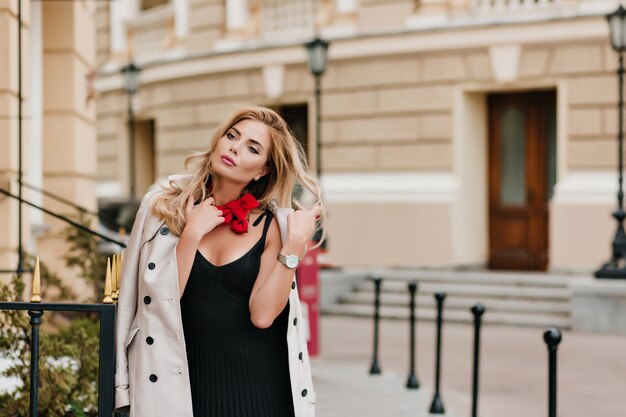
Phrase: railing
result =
(288, 17)
(151, 32)
(106, 361)
(512, 6)
(63, 218)
(96, 214)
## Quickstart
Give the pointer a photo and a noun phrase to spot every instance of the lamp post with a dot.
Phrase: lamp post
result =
(318, 58)
(131, 85)
(616, 267)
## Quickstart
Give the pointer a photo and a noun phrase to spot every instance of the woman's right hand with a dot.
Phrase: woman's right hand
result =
(203, 218)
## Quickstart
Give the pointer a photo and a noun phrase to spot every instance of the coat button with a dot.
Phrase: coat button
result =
(300, 356)
(293, 285)
(295, 321)
(147, 299)
(153, 378)
(151, 265)
(164, 230)
(149, 340)
(304, 392)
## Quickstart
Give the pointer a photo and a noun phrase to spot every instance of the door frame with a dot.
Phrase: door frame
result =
(470, 207)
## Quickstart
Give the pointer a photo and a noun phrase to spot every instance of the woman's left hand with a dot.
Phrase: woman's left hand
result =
(301, 225)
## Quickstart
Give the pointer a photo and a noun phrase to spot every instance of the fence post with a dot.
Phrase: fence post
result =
(478, 310)
(375, 367)
(436, 407)
(552, 337)
(412, 382)
(35, 322)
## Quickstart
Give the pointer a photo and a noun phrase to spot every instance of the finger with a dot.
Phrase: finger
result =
(290, 220)
(210, 201)
(316, 209)
(189, 203)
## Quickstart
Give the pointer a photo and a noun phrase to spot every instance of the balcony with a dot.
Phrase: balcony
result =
(151, 33)
(284, 19)
(512, 10)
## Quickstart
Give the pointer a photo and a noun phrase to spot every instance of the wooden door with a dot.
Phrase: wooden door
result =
(522, 172)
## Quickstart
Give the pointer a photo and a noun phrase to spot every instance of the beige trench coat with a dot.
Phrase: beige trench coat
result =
(151, 364)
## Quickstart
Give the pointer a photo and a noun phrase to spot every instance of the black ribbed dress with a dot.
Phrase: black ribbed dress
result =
(235, 368)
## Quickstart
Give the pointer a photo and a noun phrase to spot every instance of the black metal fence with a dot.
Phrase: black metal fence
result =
(106, 361)
(552, 338)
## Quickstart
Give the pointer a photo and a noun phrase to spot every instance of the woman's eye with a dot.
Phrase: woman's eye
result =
(230, 135)
(253, 149)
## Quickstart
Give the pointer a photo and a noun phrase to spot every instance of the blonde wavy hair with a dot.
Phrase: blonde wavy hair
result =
(288, 172)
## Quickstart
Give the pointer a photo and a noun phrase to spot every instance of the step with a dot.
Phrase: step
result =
(475, 277)
(454, 316)
(471, 289)
(459, 303)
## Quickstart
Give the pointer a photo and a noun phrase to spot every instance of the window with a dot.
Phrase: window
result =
(297, 117)
(144, 155)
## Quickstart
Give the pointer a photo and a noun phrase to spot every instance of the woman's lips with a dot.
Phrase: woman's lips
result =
(228, 161)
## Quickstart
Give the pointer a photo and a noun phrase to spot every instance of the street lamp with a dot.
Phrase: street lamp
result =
(131, 85)
(318, 58)
(616, 267)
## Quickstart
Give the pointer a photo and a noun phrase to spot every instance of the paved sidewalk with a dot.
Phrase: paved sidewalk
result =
(592, 372)
(348, 391)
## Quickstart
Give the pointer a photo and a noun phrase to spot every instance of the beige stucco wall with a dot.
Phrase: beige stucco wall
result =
(402, 234)
(68, 140)
(9, 126)
(69, 136)
(411, 103)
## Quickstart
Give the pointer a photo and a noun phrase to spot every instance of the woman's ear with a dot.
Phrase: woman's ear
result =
(263, 172)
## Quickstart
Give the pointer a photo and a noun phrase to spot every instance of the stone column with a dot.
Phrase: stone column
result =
(346, 6)
(237, 18)
(9, 127)
(69, 134)
(119, 11)
(35, 109)
(181, 13)
(8, 131)
(240, 23)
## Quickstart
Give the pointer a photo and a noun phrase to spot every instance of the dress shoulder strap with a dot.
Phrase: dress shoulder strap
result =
(268, 221)
(269, 216)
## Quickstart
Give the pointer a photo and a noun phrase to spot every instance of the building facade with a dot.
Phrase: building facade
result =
(454, 133)
(58, 134)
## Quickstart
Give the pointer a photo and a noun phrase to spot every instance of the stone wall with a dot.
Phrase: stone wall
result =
(394, 104)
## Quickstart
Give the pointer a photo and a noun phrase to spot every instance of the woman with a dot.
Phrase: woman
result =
(208, 320)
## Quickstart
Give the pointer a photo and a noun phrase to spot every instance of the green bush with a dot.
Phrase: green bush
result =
(69, 344)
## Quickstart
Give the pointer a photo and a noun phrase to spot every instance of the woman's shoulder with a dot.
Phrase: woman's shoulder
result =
(148, 199)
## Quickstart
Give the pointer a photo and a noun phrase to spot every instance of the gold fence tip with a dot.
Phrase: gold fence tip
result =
(107, 284)
(119, 273)
(114, 277)
(122, 231)
(36, 290)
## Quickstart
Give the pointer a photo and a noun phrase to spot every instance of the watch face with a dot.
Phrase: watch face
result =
(292, 261)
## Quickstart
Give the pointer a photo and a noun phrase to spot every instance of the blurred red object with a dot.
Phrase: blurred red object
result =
(308, 288)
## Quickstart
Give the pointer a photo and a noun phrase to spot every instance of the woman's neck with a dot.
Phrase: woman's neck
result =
(225, 194)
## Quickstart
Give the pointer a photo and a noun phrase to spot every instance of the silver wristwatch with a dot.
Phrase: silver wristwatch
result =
(290, 261)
